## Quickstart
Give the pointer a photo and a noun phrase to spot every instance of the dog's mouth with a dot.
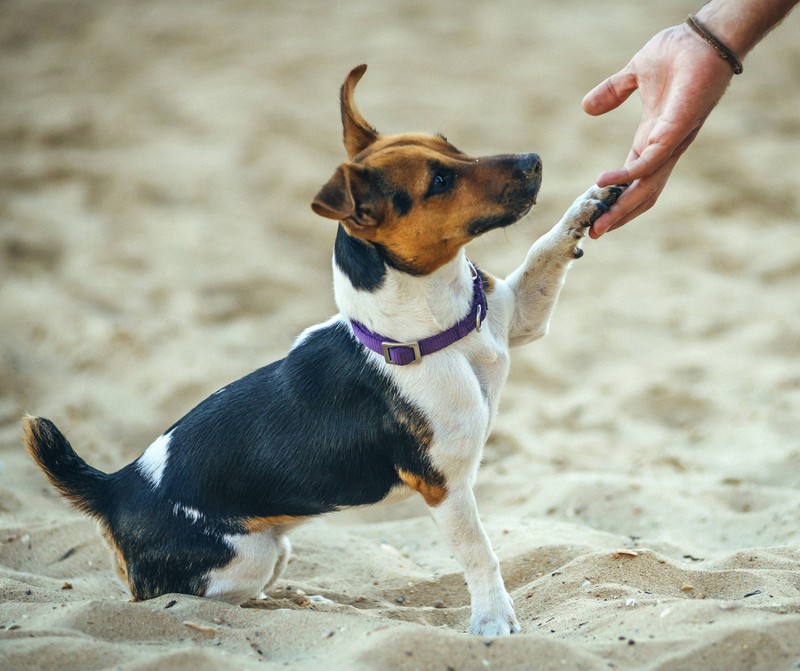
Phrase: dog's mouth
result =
(518, 201)
(481, 226)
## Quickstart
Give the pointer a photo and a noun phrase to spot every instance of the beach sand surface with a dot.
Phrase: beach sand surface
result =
(641, 485)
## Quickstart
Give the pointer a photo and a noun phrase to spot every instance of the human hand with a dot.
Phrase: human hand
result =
(680, 80)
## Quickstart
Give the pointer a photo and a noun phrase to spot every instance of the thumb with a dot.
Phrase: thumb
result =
(611, 93)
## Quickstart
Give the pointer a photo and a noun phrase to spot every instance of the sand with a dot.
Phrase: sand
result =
(642, 483)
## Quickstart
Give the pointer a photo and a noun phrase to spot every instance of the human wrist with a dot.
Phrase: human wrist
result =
(725, 22)
(741, 24)
(722, 50)
(702, 53)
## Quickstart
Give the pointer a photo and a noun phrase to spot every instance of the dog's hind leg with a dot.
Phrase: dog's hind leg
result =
(257, 556)
(284, 553)
(537, 282)
(492, 607)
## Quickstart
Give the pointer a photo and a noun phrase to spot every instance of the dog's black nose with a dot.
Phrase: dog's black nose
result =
(530, 165)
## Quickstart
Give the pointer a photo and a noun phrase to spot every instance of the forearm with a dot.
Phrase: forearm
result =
(741, 24)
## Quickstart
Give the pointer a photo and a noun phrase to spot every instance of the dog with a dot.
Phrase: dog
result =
(396, 392)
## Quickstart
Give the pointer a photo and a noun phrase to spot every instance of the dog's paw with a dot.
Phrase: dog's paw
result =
(494, 626)
(586, 210)
(497, 620)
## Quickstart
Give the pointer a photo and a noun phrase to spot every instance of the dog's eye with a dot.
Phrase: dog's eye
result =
(442, 181)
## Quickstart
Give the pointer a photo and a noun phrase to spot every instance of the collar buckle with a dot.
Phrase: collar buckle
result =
(387, 347)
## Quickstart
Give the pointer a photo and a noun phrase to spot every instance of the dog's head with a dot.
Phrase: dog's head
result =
(416, 197)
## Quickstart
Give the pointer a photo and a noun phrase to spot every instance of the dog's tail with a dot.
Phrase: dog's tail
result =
(84, 486)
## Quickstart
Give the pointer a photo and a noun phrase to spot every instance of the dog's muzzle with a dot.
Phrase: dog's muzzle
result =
(529, 171)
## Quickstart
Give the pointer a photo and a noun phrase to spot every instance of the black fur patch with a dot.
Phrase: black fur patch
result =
(360, 261)
(316, 431)
(365, 263)
(402, 203)
(164, 552)
(308, 434)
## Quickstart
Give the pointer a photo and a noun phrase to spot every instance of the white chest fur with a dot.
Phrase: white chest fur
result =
(457, 388)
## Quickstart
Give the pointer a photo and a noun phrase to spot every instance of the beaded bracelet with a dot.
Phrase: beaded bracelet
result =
(725, 53)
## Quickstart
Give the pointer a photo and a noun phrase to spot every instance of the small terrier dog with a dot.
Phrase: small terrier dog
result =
(397, 391)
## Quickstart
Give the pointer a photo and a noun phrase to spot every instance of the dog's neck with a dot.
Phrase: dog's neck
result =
(393, 302)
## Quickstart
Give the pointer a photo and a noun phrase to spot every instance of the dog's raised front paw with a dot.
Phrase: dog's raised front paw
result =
(603, 199)
(587, 209)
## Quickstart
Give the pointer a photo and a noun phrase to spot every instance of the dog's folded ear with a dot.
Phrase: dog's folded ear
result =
(358, 134)
(350, 197)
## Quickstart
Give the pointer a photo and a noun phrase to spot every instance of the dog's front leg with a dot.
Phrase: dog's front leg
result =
(492, 607)
(537, 282)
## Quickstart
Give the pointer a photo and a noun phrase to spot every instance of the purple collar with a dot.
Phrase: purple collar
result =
(404, 353)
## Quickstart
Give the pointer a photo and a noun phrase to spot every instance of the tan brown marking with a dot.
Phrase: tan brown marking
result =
(257, 524)
(433, 492)
(435, 227)
(120, 564)
(413, 421)
(358, 134)
(32, 437)
(489, 281)
(359, 195)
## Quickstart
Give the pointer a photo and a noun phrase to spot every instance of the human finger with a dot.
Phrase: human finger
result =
(637, 211)
(610, 177)
(652, 158)
(610, 93)
(642, 197)
(611, 221)
(638, 198)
